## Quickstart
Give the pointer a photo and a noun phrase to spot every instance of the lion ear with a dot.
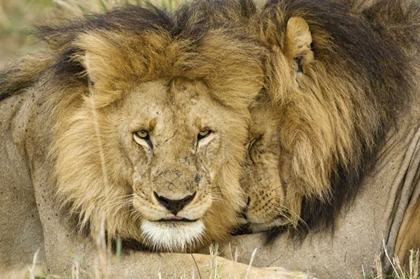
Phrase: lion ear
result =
(298, 43)
(95, 52)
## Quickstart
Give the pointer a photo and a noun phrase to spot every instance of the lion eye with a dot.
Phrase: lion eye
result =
(143, 134)
(251, 148)
(203, 134)
(141, 137)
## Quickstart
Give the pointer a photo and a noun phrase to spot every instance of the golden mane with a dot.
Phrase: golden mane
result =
(341, 82)
(335, 107)
(339, 75)
(93, 66)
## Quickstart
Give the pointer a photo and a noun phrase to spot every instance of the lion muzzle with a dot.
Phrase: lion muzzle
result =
(174, 206)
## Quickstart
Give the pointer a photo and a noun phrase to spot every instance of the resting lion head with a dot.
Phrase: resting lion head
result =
(332, 92)
(151, 125)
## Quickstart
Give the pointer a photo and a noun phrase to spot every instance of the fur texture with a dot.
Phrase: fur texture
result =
(150, 122)
(331, 121)
(338, 81)
(340, 75)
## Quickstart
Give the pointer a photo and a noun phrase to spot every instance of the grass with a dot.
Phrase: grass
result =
(16, 19)
(105, 257)
(100, 269)
(398, 272)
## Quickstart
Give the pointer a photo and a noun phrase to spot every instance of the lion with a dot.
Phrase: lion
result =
(333, 152)
(133, 126)
(332, 171)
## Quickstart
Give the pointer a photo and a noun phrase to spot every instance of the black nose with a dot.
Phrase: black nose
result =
(174, 206)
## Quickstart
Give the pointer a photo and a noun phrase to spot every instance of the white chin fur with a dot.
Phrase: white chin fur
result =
(172, 236)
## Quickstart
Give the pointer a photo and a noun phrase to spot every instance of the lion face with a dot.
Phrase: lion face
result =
(151, 129)
(172, 141)
(318, 129)
(158, 158)
(278, 140)
(261, 179)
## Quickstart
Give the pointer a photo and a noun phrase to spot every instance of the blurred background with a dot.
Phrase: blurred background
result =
(17, 18)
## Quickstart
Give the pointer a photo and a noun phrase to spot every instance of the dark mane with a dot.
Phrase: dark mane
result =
(59, 38)
(366, 47)
(131, 20)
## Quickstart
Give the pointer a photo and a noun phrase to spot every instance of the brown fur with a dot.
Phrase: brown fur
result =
(336, 84)
(332, 121)
(176, 63)
(105, 79)
(408, 235)
(340, 75)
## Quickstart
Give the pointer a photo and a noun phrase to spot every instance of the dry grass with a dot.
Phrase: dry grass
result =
(397, 272)
(16, 19)
(106, 257)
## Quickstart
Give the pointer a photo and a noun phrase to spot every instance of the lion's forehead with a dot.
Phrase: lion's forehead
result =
(178, 105)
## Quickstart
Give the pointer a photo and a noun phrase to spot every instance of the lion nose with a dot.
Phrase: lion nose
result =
(174, 206)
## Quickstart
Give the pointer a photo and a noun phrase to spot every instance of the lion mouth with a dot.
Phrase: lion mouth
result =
(176, 219)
